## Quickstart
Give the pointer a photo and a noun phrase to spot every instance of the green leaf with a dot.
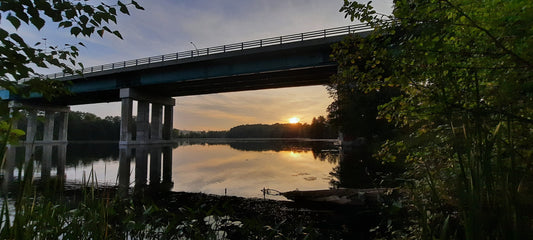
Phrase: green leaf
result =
(3, 34)
(137, 6)
(101, 32)
(65, 24)
(123, 8)
(84, 19)
(116, 33)
(18, 39)
(70, 13)
(22, 15)
(75, 31)
(14, 21)
(37, 22)
(88, 9)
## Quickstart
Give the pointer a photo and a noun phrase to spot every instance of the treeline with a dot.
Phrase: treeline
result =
(319, 128)
(198, 134)
(87, 126)
(84, 126)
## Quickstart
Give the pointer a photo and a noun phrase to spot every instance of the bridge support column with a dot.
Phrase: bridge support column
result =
(156, 131)
(50, 115)
(126, 122)
(157, 122)
(31, 129)
(48, 135)
(168, 123)
(143, 122)
(63, 127)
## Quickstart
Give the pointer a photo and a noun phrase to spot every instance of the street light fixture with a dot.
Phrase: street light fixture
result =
(195, 48)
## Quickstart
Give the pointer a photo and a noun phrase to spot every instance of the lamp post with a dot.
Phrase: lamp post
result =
(195, 48)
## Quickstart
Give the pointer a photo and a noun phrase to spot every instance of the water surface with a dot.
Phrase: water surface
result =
(232, 167)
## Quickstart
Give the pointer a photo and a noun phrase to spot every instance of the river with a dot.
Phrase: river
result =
(237, 167)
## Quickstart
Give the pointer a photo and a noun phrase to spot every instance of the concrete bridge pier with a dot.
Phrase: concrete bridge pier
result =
(50, 113)
(158, 130)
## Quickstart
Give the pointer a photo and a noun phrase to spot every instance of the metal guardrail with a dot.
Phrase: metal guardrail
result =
(299, 37)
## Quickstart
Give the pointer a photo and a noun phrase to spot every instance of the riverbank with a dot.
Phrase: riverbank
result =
(243, 217)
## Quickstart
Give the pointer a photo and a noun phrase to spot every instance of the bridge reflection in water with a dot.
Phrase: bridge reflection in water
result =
(153, 165)
(153, 159)
(19, 156)
(241, 166)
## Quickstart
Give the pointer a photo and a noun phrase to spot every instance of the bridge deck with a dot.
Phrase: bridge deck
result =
(286, 61)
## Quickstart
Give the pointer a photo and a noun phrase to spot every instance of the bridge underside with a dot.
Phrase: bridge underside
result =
(289, 65)
(266, 80)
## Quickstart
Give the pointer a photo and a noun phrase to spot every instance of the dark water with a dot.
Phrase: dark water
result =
(232, 167)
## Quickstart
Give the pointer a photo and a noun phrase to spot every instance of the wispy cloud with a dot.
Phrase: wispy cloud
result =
(169, 26)
(263, 106)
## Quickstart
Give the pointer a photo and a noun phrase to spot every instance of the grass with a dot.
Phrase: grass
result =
(93, 212)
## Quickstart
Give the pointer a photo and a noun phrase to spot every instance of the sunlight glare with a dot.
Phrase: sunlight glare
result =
(294, 120)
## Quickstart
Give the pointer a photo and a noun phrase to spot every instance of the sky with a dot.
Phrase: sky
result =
(168, 26)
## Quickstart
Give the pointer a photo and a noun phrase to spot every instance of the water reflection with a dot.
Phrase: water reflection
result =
(49, 157)
(358, 168)
(240, 167)
(152, 162)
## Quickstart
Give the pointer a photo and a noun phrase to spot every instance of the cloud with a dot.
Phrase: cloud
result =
(263, 106)
(169, 26)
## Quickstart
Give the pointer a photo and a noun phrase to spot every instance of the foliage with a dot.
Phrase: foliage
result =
(319, 128)
(466, 95)
(87, 126)
(19, 58)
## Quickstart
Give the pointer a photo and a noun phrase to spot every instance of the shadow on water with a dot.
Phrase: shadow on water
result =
(358, 168)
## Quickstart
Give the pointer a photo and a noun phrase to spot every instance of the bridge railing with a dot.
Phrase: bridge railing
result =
(330, 32)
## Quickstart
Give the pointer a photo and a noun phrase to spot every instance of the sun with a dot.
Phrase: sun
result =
(294, 120)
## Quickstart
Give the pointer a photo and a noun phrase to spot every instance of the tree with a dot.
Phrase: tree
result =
(87, 127)
(464, 74)
(19, 59)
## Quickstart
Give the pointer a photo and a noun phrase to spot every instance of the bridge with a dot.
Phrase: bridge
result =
(301, 59)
